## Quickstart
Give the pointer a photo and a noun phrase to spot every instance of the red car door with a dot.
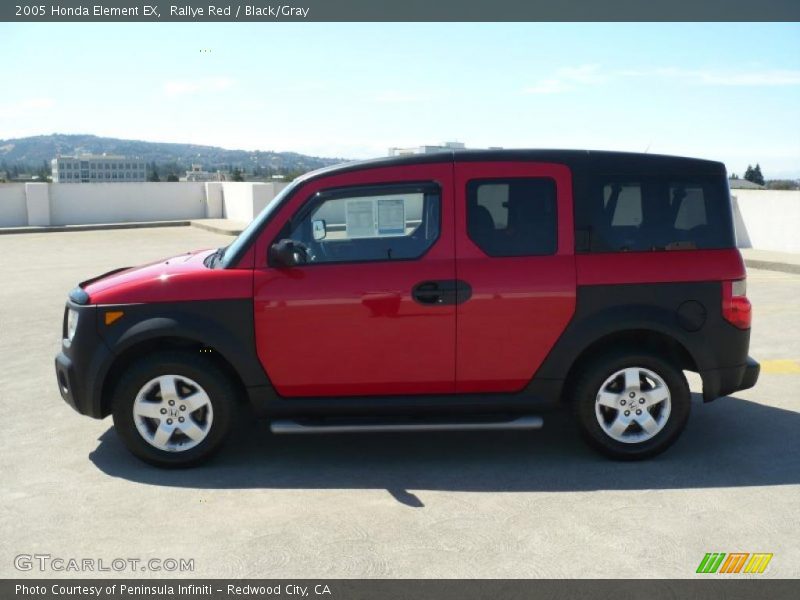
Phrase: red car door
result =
(514, 247)
(370, 309)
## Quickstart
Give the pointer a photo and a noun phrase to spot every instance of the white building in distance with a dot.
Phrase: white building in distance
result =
(94, 168)
(198, 174)
(445, 147)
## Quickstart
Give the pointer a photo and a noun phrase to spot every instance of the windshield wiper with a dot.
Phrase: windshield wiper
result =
(213, 259)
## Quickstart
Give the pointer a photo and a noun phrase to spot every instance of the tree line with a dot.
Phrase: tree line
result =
(174, 171)
(754, 175)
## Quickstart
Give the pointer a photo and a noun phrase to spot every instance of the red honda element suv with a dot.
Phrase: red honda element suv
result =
(460, 290)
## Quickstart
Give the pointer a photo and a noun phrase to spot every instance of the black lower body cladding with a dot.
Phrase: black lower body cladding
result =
(82, 362)
(681, 319)
(85, 366)
(721, 382)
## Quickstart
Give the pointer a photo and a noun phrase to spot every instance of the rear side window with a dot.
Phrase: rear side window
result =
(689, 206)
(627, 209)
(512, 217)
(626, 215)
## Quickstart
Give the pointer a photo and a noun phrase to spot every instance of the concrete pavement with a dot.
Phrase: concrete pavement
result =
(522, 504)
(788, 262)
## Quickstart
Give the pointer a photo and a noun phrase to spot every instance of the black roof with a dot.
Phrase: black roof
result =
(579, 160)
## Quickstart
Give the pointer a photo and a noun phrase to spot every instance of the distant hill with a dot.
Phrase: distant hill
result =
(32, 151)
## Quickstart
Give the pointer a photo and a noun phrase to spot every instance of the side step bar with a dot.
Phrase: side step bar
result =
(288, 426)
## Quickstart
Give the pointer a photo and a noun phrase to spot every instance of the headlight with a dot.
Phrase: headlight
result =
(72, 323)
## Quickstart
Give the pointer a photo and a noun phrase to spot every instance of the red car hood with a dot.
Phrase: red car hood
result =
(179, 278)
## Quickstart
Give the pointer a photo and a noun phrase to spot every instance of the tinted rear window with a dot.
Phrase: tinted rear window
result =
(626, 214)
(512, 217)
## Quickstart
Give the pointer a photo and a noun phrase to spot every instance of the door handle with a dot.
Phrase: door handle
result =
(428, 292)
(443, 291)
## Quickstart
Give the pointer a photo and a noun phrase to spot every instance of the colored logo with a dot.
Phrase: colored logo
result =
(735, 562)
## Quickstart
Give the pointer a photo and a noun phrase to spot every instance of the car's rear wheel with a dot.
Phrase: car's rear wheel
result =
(632, 405)
(173, 409)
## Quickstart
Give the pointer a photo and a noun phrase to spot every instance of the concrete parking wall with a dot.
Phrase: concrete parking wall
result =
(125, 202)
(13, 205)
(244, 200)
(767, 219)
(54, 204)
(764, 219)
(237, 200)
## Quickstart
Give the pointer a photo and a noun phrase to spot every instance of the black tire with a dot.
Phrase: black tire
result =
(217, 386)
(588, 386)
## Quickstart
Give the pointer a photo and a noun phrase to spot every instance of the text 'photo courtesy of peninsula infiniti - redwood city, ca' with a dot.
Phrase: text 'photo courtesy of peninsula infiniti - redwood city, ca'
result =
(461, 290)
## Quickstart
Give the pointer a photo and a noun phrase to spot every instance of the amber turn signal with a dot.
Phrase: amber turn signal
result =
(112, 316)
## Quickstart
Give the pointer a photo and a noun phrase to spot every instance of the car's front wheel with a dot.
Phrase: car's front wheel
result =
(632, 405)
(173, 409)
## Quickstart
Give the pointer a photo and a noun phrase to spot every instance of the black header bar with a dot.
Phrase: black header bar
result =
(399, 10)
(706, 587)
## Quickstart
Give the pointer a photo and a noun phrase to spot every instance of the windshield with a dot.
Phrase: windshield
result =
(233, 251)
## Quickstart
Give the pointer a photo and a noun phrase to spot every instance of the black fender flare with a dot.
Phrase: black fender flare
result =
(584, 331)
(224, 326)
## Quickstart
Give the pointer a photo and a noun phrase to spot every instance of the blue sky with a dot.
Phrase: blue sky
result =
(725, 91)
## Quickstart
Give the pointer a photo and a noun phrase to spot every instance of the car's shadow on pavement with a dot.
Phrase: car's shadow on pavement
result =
(728, 443)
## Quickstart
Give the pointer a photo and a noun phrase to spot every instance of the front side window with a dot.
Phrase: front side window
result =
(512, 217)
(375, 223)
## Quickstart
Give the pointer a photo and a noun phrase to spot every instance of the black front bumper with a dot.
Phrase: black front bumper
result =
(67, 383)
(82, 363)
(721, 382)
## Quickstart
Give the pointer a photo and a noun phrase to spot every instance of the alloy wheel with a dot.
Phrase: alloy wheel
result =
(173, 413)
(633, 405)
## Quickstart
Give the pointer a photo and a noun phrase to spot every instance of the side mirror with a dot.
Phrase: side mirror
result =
(319, 230)
(284, 253)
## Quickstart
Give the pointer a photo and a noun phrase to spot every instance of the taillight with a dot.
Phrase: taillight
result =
(736, 308)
